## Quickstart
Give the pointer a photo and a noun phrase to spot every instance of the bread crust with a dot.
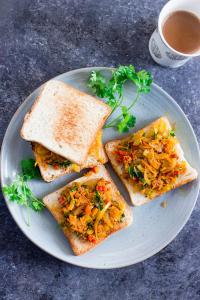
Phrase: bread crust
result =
(80, 246)
(49, 173)
(65, 120)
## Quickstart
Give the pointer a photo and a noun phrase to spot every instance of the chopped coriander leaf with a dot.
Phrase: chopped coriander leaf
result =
(98, 201)
(172, 133)
(90, 225)
(133, 172)
(74, 188)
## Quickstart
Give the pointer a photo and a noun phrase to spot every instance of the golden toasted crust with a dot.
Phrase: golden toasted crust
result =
(193, 177)
(137, 198)
(49, 173)
(80, 246)
(65, 120)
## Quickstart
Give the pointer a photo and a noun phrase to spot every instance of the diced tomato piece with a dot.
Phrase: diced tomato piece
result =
(176, 173)
(56, 166)
(61, 200)
(121, 152)
(136, 179)
(101, 188)
(120, 159)
(94, 169)
(91, 239)
(174, 155)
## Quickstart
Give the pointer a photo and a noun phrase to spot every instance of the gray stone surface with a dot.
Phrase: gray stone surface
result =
(40, 39)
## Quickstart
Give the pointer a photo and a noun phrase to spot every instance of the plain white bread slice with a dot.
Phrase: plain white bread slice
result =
(137, 198)
(65, 120)
(80, 246)
(49, 173)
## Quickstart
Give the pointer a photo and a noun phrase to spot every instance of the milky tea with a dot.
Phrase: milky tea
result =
(181, 30)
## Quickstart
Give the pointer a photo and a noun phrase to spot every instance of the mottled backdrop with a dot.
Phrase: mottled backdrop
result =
(40, 39)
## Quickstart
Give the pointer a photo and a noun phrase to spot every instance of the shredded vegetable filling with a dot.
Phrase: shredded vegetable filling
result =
(150, 161)
(91, 210)
(46, 157)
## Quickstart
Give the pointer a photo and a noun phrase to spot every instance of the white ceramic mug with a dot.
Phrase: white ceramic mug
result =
(159, 49)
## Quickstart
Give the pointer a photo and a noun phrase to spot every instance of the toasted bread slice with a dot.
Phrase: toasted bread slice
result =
(138, 198)
(49, 173)
(79, 245)
(65, 121)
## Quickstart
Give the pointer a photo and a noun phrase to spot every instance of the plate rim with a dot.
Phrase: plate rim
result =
(122, 265)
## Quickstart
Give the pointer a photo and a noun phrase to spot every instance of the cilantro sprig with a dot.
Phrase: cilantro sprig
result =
(29, 170)
(127, 122)
(112, 91)
(19, 191)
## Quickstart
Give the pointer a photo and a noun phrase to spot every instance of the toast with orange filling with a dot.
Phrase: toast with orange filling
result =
(89, 210)
(150, 162)
(52, 165)
(64, 126)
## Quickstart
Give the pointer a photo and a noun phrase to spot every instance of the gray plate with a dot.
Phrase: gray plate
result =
(153, 227)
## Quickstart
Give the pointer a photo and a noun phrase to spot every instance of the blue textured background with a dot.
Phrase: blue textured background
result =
(40, 39)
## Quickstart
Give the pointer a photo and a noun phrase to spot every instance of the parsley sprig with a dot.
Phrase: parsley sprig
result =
(112, 91)
(19, 191)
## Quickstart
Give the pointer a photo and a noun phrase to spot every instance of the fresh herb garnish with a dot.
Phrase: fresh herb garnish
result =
(127, 122)
(134, 173)
(172, 133)
(29, 169)
(112, 91)
(98, 201)
(18, 191)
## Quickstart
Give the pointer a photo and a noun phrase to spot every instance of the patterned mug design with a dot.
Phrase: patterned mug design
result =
(155, 50)
(162, 54)
(174, 56)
